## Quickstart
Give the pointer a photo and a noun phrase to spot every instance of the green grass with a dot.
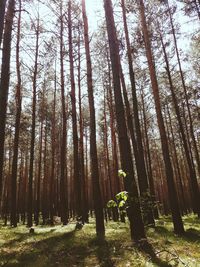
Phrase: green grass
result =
(63, 246)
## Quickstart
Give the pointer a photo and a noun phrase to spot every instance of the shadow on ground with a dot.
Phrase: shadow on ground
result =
(73, 249)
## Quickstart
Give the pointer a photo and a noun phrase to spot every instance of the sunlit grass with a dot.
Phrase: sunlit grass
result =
(63, 246)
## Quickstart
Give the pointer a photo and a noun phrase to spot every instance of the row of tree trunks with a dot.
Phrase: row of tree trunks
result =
(177, 220)
(192, 173)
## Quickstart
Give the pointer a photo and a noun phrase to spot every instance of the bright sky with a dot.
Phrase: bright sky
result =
(92, 7)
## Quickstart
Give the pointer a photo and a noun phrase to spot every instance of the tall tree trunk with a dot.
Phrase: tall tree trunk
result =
(63, 169)
(17, 127)
(4, 81)
(100, 229)
(141, 167)
(106, 149)
(77, 180)
(134, 212)
(176, 162)
(149, 160)
(32, 149)
(84, 181)
(53, 151)
(177, 220)
(143, 183)
(113, 130)
(38, 190)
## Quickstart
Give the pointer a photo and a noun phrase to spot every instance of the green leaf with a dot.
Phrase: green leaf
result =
(122, 204)
(122, 196)
(111, 204)
(121, 173)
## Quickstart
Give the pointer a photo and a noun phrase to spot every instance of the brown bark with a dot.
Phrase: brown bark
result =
(84, 180)
(17, 127)
(143, 183)
(139, 153)
(53, 152)
(134, 212)
(77, 180)
(149, 159)
(4, 81)
(38, 184)
(194, 142)
(100, 229)
(115, 165)
(177, 220)
(32, 149)
(63, 195)
(176, 163)
(192, 174)
(106, 150)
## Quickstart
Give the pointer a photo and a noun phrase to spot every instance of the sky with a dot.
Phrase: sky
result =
(92, 7)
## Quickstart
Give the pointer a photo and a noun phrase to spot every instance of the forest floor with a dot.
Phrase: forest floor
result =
(62, 246)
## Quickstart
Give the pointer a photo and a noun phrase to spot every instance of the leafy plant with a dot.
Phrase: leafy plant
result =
(121, 173)
(111, 204)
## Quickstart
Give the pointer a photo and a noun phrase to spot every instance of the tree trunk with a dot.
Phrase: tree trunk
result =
(77, 180)
(100, 229)
(149, 160)
(115, 168)
(17, 127)
(4, 81)
(141, 167)
(63, 195)
(32, 152)
(177, 220)
(192, 174)
(133, 212)
(194, 142)
(84, 180)
(53, 150)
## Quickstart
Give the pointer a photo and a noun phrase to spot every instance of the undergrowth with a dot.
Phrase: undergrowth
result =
(63, 246)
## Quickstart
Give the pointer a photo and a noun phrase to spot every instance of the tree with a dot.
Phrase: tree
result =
(139, 151)
(177, 220)
(33, 123)
(63, 169)
(192, 174)
(133, 211)
(5, 78)
(77, 180)
(100, 229)
(17, 125)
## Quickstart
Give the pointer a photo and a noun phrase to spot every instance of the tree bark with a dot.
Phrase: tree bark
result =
(17, 126)
(77, 180)
(177, 220)
(32, 149)
(192, 174)
(133, 212)
(100, 229)
(63, 195)
(141, 167)
(4, 81)
(191, 128)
